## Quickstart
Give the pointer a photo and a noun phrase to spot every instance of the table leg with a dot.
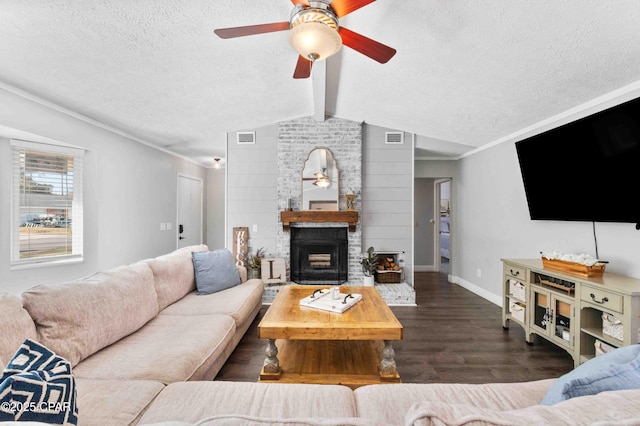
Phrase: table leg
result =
(271, 364)
(388, 363)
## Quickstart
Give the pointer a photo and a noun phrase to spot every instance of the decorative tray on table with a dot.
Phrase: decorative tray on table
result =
(327, 300)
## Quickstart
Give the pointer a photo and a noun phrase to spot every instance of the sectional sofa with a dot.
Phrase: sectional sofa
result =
(145, 348)
(130, 331)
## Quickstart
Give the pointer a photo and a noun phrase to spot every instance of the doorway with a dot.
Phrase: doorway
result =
(189, 223)
(442, 218)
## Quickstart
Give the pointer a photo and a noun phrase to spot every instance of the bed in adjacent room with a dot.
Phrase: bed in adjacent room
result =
(444, 236)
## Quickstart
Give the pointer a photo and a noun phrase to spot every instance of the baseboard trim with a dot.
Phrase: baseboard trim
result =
(424, 268)
(496, 300)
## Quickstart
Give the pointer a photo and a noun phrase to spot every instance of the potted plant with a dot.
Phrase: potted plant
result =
(369, 265)
(254, 263)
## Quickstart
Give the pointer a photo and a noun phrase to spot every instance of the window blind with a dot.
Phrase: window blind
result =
(47, 202)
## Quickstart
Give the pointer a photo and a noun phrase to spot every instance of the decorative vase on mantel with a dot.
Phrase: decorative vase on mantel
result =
(369, 281)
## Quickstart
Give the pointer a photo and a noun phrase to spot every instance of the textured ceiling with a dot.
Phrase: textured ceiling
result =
(466, 73)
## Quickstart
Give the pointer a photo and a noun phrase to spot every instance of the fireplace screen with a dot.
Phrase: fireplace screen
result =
(319, 255)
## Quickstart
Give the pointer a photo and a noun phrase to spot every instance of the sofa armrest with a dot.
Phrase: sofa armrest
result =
(243, 273)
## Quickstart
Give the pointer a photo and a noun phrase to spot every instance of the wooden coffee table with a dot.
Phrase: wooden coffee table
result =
(306, 345)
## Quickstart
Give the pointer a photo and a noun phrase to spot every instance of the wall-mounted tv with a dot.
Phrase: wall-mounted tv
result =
(587, 170)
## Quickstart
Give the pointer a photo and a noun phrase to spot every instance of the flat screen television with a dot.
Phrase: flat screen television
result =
(586, 170)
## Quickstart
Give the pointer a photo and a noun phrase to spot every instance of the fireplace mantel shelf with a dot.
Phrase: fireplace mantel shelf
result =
(288, 217)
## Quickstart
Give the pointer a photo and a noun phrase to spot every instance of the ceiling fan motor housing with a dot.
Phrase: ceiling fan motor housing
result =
(314, 30)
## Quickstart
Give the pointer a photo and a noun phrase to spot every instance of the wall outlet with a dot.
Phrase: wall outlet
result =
(479, 273)
(163, 226)
(254, 228)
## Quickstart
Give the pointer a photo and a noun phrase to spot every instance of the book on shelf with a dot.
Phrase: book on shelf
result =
(326, 300)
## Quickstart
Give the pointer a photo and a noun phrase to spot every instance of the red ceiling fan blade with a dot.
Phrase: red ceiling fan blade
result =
(252, 29)
(371, 48)
(300, 2)
(344, 7)
(303, 68)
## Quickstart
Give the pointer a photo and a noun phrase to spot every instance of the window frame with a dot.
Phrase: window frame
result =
(77, 238)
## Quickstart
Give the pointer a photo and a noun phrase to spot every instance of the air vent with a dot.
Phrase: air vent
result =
(246, 137)
(394, 137)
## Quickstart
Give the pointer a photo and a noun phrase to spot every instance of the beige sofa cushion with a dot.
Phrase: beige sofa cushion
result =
(173, 274)
(15, 326)
(390, 403)
(193, 401)
(168, 349)
(238, 301)
(587, 410)
(238, 420)
(114, 402)
(79, 318)
(242, 271)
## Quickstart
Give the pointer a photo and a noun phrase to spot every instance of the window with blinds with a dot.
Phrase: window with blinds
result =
(47, 203)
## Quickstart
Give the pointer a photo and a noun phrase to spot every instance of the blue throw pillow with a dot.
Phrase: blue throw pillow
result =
(214, 270)
(38, 386)
(615, 370)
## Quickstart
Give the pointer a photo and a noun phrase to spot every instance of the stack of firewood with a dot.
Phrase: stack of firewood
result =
(388, 264)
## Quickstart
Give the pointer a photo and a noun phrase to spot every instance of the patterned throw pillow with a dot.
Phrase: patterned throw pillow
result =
(38, 386)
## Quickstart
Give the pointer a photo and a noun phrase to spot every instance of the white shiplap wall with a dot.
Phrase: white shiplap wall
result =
(387, 195)
(252, 194)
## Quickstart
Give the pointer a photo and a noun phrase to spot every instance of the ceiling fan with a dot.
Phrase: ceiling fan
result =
(315, 33)
(320, 179)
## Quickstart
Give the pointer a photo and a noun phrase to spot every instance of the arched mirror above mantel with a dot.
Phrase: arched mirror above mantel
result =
(320, 192)
(320, 181)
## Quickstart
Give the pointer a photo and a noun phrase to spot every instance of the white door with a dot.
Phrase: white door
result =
(189, 223)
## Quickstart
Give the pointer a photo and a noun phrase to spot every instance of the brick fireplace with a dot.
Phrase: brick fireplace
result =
(295, 140)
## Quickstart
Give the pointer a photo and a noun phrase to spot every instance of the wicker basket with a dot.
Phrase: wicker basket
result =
(612, 326)
(596, 270)
(602, 348)
(517, 310)
(517, 289)
(388, 277)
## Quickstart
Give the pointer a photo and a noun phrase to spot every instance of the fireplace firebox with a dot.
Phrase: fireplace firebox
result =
(319, 255)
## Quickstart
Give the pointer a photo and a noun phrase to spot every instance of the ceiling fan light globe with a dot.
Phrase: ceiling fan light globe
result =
(322, 182)
(315, 40)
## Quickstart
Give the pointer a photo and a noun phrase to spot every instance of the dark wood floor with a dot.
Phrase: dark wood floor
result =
(452, 336)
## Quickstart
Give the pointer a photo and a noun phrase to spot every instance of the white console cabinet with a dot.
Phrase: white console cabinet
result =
(568, 309)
